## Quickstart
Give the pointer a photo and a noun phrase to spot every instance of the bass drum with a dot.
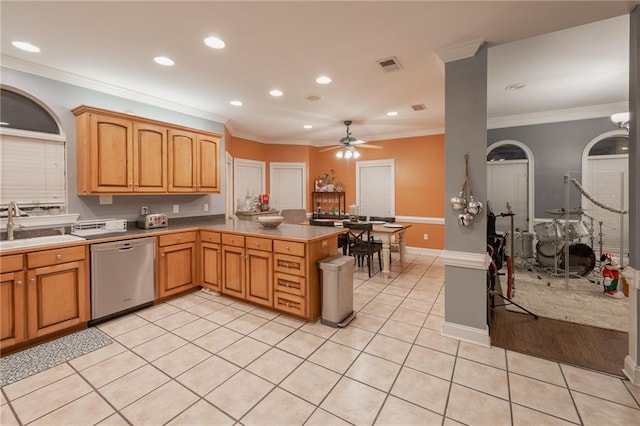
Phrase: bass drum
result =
(582, 259)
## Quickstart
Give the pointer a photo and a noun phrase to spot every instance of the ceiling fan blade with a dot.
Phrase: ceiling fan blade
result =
(357, 142)
(369, 146)
(331, 148)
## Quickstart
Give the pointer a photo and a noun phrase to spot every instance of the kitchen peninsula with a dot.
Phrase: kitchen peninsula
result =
(275, 268)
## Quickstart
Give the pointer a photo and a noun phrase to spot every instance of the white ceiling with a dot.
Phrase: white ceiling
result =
(286, 45)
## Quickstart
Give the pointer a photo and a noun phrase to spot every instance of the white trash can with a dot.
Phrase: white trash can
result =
(337, 290)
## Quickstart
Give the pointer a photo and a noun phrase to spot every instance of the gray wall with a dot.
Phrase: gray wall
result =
(62, 97)
(557, 149)
(466, 132)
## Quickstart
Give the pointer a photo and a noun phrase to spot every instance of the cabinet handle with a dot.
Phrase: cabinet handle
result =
(288, 286)
(32, 281)
(258, 244)
(288, 248)
(19, 282)
(179, 238)
(288, 305)
(130, 184)
(58, 256)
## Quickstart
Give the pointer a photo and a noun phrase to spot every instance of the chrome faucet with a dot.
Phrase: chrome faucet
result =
(12, 212)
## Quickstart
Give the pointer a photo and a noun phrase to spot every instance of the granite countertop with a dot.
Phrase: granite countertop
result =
(303, 233)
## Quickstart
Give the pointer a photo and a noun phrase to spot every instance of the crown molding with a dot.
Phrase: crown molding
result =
(77, 80)
(556, 116)
(455, 52)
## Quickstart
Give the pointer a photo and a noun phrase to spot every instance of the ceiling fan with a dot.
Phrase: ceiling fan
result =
(347, 145)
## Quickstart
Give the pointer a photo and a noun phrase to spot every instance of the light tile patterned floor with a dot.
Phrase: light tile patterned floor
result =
(203, 359)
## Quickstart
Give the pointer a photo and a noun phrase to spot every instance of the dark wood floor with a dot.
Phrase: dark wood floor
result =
(582, 345)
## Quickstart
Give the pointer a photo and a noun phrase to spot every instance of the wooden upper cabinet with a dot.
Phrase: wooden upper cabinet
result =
(182, 161)
(110, 151)
(207, 170)
(149, 158)
(123, 154)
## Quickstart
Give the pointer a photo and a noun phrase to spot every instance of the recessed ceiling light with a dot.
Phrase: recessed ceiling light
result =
(392, 113)
(236, 103)
(515, 86)
(163, 60)
(276, 92)
(308, 126)
(27, 47)
(313, 98)
(323, 79)
(215, 42)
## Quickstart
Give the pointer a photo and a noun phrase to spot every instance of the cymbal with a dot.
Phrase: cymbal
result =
(562, 211)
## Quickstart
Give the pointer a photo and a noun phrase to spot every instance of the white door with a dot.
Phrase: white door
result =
(507, 182)
(375, 187)
(249, 180)
(287, 185)
(607, 181)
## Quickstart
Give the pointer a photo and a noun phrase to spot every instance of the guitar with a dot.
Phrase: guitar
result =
(511, 285)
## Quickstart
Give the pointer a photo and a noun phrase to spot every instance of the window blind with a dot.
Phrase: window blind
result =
(32, 172)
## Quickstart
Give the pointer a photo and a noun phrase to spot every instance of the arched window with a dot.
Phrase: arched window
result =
(32, 148)
(605, 177)
(510, 180)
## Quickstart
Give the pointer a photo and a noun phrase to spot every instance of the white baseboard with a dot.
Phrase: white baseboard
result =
(631, 370)
(426, 251)
(467, 334)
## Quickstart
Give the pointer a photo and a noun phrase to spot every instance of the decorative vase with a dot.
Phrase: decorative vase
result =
(330, 187)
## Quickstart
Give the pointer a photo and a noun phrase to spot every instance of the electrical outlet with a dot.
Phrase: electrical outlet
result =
(205, 207)
(144, 210)
(176, 208)
(426, 236)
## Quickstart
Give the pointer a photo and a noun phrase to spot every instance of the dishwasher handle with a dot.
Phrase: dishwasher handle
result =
(126, 248)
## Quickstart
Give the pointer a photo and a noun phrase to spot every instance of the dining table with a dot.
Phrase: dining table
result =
(386, 231)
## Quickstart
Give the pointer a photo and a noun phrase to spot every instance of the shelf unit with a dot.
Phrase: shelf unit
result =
(328, 205)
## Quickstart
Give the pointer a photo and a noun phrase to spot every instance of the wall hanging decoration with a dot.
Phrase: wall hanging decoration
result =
(470, 207)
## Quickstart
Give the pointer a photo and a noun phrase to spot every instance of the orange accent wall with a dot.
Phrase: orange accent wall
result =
(419, 168)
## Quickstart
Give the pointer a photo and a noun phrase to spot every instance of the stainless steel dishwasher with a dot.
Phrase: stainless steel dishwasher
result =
(122, 277)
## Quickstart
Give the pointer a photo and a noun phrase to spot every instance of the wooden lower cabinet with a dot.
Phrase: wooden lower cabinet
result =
(259, 276)
(210, 265)
(177, 260)
(12, 301)
(275, 273)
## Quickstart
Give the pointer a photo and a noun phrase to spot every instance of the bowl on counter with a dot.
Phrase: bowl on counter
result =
(270, 221)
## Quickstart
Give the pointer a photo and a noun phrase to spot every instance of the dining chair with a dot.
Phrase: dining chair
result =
(296, 216)
(361, 243)
(387, 219)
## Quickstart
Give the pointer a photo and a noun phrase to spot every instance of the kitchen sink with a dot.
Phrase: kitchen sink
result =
(38, 241)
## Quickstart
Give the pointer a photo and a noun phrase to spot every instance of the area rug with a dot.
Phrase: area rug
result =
(582, 302)
(30, 361)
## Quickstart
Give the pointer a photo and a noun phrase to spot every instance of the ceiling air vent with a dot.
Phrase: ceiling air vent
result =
(389, 64)
(419, 107)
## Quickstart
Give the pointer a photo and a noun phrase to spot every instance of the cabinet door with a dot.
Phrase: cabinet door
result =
(110, 154)
(149, 158)
(182, 161)
(57, 298)
(233, 270)
(207, 171)
(260, 277)
(12, 309)
(210, 258)
(176, 269)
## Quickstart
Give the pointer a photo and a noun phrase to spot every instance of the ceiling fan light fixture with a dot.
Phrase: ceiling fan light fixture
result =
(339, 154)
(348, 154)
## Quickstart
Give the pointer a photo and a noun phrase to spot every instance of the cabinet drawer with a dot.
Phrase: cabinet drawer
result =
(290, 264)
(55, 256)
(290, 303)
(290, 284)
(176, 238)
(288, 247)
(233, 240)
(259, 243)
(210, 237)
(11, 263)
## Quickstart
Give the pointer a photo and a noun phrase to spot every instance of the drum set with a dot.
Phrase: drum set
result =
(552, 239)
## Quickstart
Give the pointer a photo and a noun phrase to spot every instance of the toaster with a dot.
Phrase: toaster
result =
(152, 220)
